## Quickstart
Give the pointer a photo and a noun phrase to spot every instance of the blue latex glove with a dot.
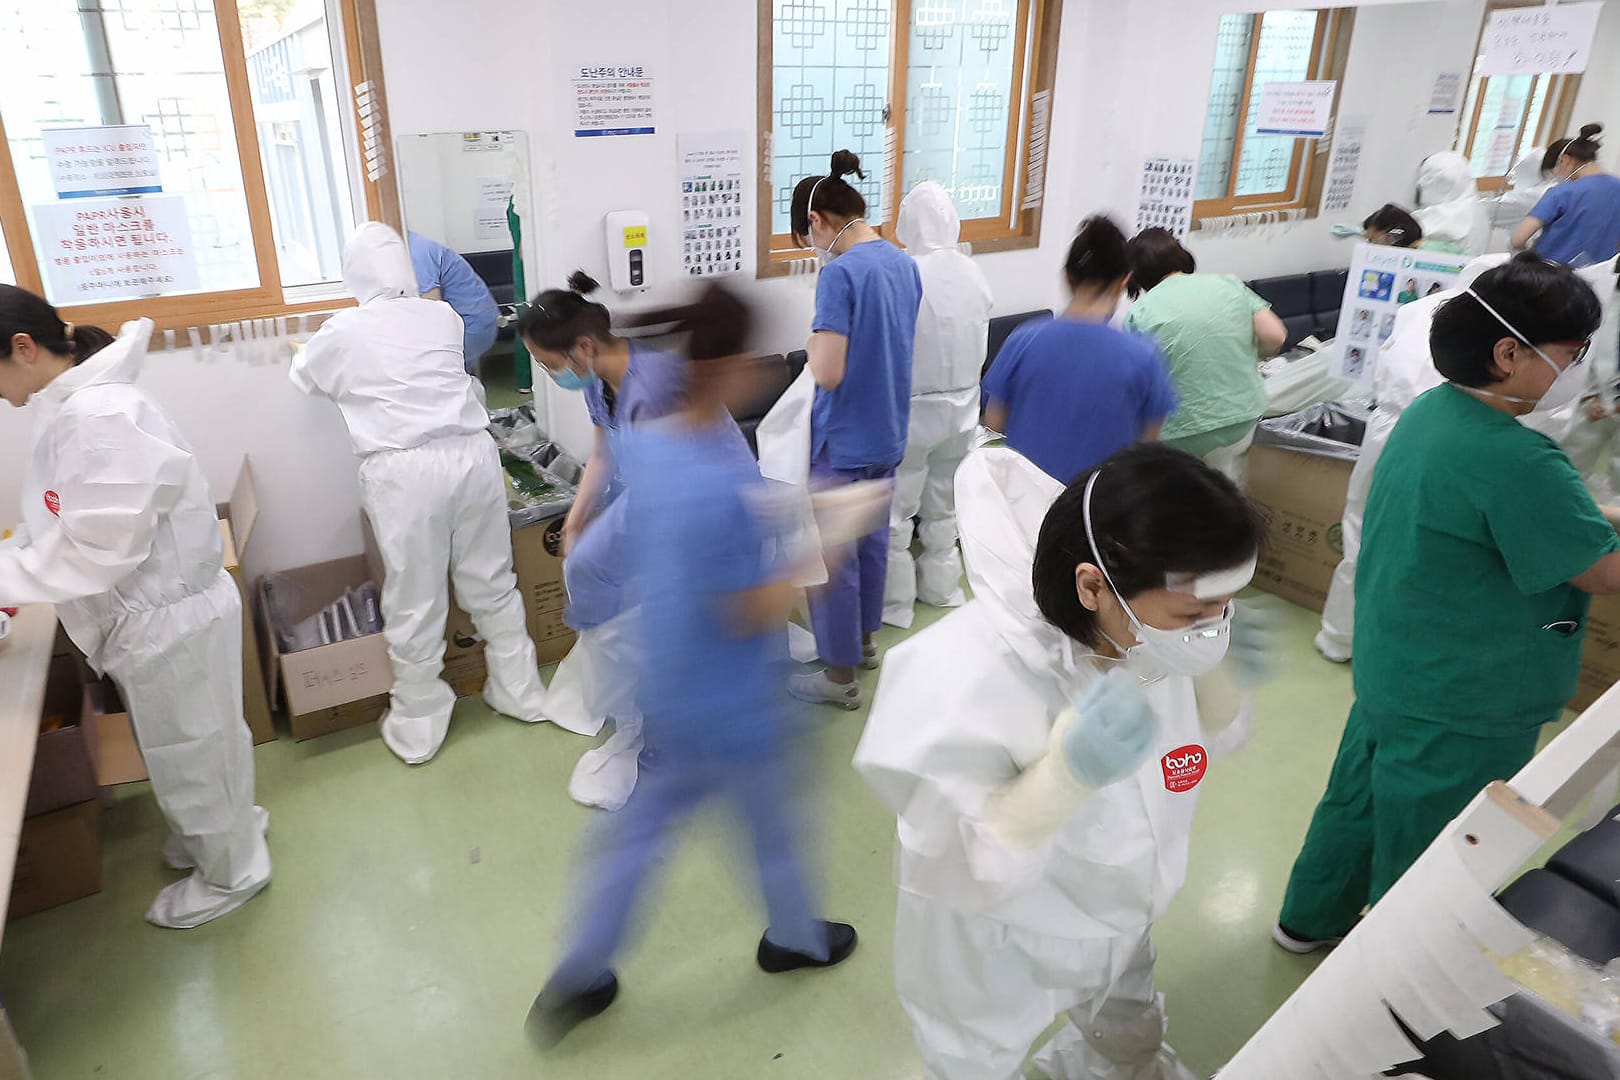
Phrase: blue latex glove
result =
(1345, 232)
(1252, 656)
(1114, 734)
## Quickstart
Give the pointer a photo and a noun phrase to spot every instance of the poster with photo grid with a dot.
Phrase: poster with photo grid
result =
(711, 204)
(1166, 199)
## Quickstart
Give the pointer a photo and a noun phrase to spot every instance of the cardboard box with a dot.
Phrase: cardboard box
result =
(58, 859)
(1302, 497)
(106, 721)
(236, 520)
(64, 770)
(537, 558)
(1600, 657)
(316, 684)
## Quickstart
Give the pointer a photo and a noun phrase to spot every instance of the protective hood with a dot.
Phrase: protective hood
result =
(120, 362)
(1527, 172)
(928, 220)
(1444, 177)
(1001, 500)
(377, 264)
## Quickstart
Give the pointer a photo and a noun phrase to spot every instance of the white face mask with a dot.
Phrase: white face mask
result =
(1567, 386)
(1190, 650)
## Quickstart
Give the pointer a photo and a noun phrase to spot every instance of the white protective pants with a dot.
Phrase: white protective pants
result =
(980, 993)
(939, 437)
(1595, 453)
(179, 668)
(596, 682)
(1339, 611)
(439, 514)
(1232, 461)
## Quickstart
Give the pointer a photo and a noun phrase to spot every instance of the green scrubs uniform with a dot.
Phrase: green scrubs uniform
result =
(1468, 639)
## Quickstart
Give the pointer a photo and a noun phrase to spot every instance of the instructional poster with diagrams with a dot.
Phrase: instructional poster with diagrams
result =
(1382, 281)
(1344, 163)
(712, 172)
(1166, 197)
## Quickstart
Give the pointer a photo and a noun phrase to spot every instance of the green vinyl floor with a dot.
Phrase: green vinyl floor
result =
(413, 917)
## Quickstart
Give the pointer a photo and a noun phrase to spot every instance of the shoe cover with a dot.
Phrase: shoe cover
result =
(531, 709)
(176, 857)
(192, 901)
(596, 679)
(606, 776)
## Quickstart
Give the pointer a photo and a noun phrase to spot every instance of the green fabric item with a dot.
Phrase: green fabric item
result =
(1474, 527)
(1450, 247)
(1202, 445)
(1396, 783)
(521, 368)
(1205, 325)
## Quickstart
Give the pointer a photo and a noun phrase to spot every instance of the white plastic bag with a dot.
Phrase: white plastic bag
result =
(783, 437)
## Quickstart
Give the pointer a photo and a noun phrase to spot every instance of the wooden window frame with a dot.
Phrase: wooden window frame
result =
(1555, 115)
(363, 58)
(1307, 172)
(1016, 228)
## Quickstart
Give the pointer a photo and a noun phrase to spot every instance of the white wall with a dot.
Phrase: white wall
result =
(1133, 79)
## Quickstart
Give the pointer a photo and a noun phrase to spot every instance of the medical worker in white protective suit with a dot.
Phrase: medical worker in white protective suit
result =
(1593, 439)
(431, 483)
(1454, 218)
(1529, 179)
(946, 363)
(1587, 431)
(1043, 749)
(119, 533)
(1405, 371)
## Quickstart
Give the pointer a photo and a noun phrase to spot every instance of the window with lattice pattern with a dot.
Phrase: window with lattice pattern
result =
(1240, 170)
(937, 90)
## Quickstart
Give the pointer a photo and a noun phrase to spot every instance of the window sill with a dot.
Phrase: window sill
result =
(1259, 213)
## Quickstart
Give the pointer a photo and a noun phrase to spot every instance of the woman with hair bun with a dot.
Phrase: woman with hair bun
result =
(1578, 221)
(860, 348)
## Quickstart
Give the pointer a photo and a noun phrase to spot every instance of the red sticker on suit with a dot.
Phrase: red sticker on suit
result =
(53, 503)
(1184, 768)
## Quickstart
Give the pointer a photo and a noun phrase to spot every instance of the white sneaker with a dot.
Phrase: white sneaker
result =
(176, 857)
(869, 658)
(817, 689)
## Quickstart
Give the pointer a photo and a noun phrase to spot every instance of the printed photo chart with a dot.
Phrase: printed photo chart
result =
(1166, 199)
(712, 204)
(1382, 281)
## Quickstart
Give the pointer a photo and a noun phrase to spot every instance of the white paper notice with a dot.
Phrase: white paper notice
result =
(612, 101)
(1554, 40)
(1446, 95)
(1382, 280)
(712, 204)
(1345, 162)
(91, 162)
(490, 224)
(1304, 109)
(97, 250)
(1166, 197)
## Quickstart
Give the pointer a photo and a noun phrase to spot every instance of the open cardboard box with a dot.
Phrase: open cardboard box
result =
(330, 687)
(58, 859)
(1302, 496)
(106, 720)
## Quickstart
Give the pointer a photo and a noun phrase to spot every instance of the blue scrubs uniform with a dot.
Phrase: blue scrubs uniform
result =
(711, 692)
(440, 267)
(870, 294)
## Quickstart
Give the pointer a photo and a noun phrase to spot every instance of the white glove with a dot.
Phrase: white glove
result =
(1114, 734)
(1252, 656)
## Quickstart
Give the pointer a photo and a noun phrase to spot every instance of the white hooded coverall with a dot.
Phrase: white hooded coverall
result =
(1453, 216)
(952, 326)
(431, 483)
(119, 533)
(991, 941)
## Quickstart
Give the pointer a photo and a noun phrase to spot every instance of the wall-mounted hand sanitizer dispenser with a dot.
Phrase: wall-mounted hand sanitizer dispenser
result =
(627, 249)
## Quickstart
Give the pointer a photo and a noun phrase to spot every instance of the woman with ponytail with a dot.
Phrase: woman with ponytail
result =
(867, 298)
(625, 383)
(1578, 221)
(119, 533)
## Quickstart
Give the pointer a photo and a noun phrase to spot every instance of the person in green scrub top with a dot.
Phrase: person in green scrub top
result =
(1215, 331)
(1480, 555)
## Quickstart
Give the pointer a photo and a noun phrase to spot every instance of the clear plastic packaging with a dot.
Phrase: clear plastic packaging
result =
(1334, 429)
(357, 613)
